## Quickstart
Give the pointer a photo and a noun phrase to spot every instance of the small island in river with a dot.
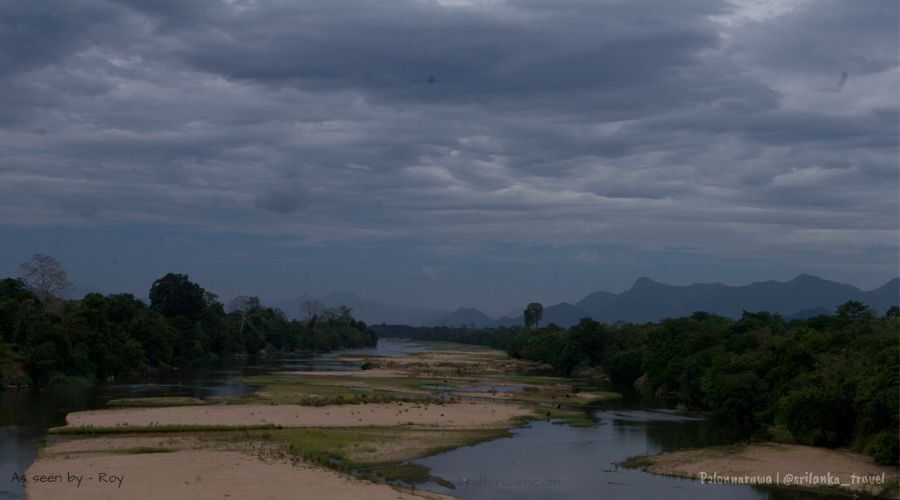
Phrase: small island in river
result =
(777, 465)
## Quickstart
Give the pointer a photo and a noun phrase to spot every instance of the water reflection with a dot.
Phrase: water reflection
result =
(547, 460)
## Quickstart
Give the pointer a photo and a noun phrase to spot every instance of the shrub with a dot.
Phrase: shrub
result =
(884, 447)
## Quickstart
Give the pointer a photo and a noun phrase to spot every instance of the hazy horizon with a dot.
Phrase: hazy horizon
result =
(438, 153)
(86, 287)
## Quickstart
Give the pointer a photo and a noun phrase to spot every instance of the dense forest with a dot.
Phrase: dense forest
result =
(830, 380)
(44, 340)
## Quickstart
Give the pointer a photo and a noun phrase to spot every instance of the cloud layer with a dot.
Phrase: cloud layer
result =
(751, 130)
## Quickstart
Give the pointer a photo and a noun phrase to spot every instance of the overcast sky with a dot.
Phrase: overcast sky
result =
(449, 152)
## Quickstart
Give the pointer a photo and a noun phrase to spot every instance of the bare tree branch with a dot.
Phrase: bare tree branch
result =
(46, 276)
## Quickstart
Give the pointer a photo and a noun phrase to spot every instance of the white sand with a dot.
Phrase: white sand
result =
(199, 475)
(463, 414)
(775, 460)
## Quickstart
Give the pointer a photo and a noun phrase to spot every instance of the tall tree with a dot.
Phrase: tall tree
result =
(45, 275)
(176, 295)
(855, 310)
(312, 308)
(345, 314)
(246, 306)
(534, 312)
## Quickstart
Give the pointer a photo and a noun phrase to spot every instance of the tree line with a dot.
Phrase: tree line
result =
(44, 339)
(831, 380)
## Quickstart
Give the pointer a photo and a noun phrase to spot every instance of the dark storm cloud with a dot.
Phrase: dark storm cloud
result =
(39, 33)
(465, 123)
(501, 52)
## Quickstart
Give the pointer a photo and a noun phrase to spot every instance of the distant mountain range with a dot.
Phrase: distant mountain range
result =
(648, 300)
(464, 316)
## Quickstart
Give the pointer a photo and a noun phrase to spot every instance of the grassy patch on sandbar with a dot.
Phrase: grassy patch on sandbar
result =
(154, 402)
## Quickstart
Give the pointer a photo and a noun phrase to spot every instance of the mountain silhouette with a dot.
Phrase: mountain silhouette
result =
(464, 316)
(647, 300)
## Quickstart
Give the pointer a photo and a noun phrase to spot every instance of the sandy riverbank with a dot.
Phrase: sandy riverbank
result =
(444, 363)
(451, 415)
(785, 465)
(373, 373)
(277, 463)
(198, 474)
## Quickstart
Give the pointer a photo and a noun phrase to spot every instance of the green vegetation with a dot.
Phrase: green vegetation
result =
(533, 314)
(11, 370)
(530, 379)
(137, 450)
(409, 473)
(154, 402)
(636, 462)
(45, 339)
(312, 391)
(318, 392)
(824, 381)
(362, 449)
(412, 473)
(572, 416)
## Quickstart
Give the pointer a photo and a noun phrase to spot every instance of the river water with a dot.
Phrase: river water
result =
(543, 460)
(548, 461)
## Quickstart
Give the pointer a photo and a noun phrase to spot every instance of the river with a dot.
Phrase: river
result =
(547, 460)
(542, 460)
